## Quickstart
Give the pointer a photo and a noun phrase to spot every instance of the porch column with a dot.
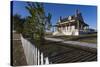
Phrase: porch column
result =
(61, 28)
(77, 24)
(65, 27)
(54, 28)
(81, 27)
(69, 27)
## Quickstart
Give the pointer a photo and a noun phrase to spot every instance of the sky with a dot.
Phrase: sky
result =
(89, 13)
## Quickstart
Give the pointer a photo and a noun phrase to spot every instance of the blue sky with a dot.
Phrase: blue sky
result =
(89, 13)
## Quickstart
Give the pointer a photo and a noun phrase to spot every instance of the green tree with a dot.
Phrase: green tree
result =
(37, 22)
(18, 23)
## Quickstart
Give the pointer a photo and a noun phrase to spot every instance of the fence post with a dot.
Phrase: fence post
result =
(46, 60)
(38, 57)
(42, 58)
(32, 53)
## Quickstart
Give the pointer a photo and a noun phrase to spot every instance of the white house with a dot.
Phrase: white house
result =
(71, 25)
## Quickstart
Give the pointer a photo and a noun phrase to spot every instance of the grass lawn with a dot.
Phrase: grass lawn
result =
(90, 38)
(52, 48)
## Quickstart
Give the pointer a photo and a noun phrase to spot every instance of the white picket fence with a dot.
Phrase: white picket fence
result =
(33, 55)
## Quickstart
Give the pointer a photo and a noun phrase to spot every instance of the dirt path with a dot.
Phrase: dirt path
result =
(18, 53)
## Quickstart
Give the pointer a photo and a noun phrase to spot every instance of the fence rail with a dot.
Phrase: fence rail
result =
(33, 55)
